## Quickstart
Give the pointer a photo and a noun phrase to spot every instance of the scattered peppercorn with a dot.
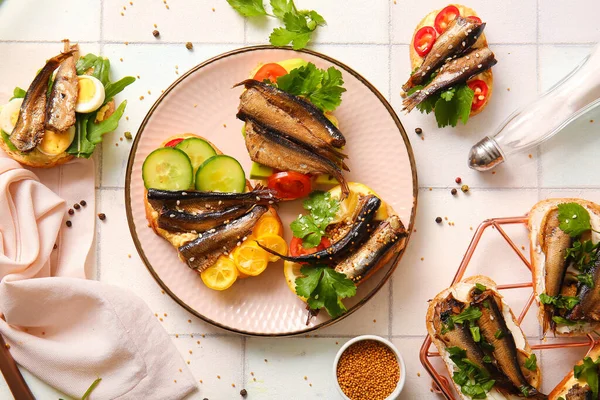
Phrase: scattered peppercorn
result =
(453, 191)
(438, 220)
(55, 246)
(83, 203)
(69, 224)
(243, 393)
(418, 131)
(189, 45)
(71, 211)
(458, 180)
(76, 206)
(102, 216)
(127, 135)
(156, 33)
(464, 188)
(368, 370)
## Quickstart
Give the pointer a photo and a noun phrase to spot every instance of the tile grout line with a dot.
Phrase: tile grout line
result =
(244, 380)
(539, 149)
(391, 280)
(99, 159)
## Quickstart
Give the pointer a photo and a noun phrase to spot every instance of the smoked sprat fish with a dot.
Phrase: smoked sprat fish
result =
(195, 200)
(456, 71)
(30, 127)
(182, 221)
(60, 111)
(460, 35)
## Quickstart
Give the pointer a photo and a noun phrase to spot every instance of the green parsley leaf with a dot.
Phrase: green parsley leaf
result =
(325, 288)
(563, 321)
(475, 333)
(574, 219)
(448, 94)
(248, 8)
(311, 227)
(588, 370)
(18, 93)
(586, 279)
(559, 301)
(531, 363)
(323, 88)
(298, 30)
(468, 314)
(448, 113)
(281, 7)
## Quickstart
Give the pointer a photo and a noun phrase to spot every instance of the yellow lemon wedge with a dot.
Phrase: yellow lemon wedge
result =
(221, 275)
(275, 243)
(348, 206)
(291, 271)
(267, 225)
(250, 259)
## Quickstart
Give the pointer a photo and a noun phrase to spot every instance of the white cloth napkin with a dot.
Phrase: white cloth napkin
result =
(65, 329)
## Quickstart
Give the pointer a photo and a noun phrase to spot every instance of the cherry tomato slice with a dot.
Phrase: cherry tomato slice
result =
(174, 142)
(474, 18)
(296, 248)
(481, 91)
(444, 17)
(290, 185)
(270, 71)
(424, 40)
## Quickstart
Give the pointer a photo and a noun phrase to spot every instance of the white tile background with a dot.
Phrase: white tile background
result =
(536, 42)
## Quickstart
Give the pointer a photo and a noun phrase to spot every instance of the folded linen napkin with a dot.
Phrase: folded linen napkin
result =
(65, 329)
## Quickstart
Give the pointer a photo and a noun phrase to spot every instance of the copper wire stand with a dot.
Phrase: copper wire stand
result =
(441, 383)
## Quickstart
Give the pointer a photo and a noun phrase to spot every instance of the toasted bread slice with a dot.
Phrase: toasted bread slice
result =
(569, 380)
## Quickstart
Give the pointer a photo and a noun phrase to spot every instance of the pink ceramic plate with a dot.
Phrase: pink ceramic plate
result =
(203, 102)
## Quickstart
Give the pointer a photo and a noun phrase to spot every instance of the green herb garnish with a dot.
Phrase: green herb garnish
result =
(481, 288)
(559, 301)
(531, 363)
(311, 227)
(588, 371)
(468, 314)
(586, 279)
(574, 219)
(299, 25)
(449, 106)
(563, 321)
(325, 288)
(475, 333)
(499, 334)
(474, 381)
(582, 254)
(18, 93)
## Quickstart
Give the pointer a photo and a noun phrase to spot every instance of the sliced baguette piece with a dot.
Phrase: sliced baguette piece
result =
(460, 292)
(535, 224)
(416, 59)
(569, 380)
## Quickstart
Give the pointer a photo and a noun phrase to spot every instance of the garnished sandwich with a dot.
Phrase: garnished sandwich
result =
(290, 134)
(199, 200)
(64, 113)
(481, 343)
(582, 382)
(451, 65)
(564, 236)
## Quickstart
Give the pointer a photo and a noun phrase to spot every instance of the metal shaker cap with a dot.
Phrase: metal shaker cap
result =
(485, 155)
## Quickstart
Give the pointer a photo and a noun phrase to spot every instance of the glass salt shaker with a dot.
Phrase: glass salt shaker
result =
(572, 96)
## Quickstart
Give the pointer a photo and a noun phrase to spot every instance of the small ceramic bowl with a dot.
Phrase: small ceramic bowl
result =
(386, 342)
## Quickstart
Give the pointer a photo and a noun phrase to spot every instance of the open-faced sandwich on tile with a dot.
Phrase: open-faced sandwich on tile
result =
(290, 133)
(339, 243)
(451, 66)
(481, 343)
(564, 236)
(199, 200)
(582, 382)
(65, 111)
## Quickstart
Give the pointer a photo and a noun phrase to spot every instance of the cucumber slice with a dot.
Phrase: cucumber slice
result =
(167, 168)
(198, 150)
(221, 174)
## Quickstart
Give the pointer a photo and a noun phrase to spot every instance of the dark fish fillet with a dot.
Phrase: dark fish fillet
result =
(388, 235)
(181, 221)
(275, 151)
(494, 330)
(30, 126)
(60, 109)
(462, 33)
(588, 308)
(578, 392)
(288, 114)
(202, 252)
(195, 200)
(453, 72)
(361, 227)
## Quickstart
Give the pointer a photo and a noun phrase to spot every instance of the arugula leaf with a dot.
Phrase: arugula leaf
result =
(563, 321)
(18, 93)
(86, 62)
(468, 314)
(88, 392)
(574, 219)
(583, 254)
(559, 301)
(589, 371)
(323, 88)
(248, 8)
(499, 334)
(475, 333)
(111, 89)
(97, 130)
(586, 279)
(6, 138)
(481, 288)
(81, 146)
(325, 288)
(473, 380)
(281, 7)
(531, 363)
(311, 227)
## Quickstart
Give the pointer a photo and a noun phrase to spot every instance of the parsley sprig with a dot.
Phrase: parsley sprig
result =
(311, 227)
(473, 380)
(559, 301)
(325, 288)
(299, 25)
(323, 88)
(449, 106)
(574, 219)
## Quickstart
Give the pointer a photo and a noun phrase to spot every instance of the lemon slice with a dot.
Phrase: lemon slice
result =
(291, 271)
(349, 204)
(275, 243)
(267, 225)
(221, 275)
(250, 259)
